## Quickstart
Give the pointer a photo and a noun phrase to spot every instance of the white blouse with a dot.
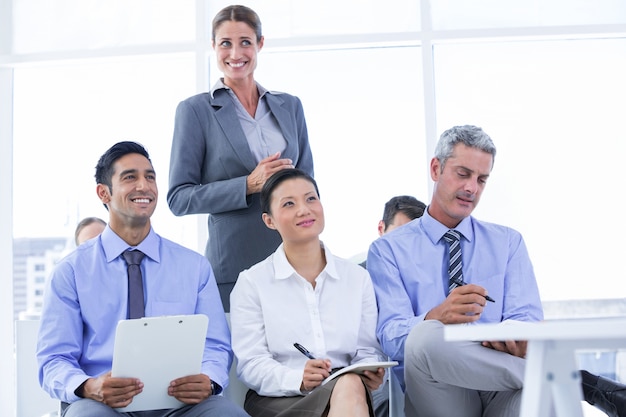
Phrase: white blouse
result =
(272, 307)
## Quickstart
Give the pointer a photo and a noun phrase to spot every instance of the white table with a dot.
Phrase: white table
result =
(552, 376)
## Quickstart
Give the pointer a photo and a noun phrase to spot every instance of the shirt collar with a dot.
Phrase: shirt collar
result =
(284, 270)
(114, 245)
(435, 230)
(219, 85)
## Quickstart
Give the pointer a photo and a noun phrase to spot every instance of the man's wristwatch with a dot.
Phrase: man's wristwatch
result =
(216, 389)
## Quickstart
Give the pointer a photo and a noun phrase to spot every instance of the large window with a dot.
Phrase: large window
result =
(554, 111)
(67, 25)
(68, 113)
(379, 82)
(366, 132)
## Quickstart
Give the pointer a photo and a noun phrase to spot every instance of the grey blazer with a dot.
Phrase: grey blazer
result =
(209, 163)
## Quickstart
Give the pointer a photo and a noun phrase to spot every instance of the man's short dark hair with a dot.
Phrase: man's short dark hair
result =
(406, 204)
(104, 168)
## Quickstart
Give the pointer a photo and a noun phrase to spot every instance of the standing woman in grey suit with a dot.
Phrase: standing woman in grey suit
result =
(227, 142)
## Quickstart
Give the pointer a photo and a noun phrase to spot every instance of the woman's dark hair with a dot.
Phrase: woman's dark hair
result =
(277, 179)
(237, 13)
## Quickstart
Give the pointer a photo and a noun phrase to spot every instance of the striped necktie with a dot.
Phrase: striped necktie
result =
(455, 270)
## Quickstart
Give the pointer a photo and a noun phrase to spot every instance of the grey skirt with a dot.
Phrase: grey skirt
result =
(316, 404)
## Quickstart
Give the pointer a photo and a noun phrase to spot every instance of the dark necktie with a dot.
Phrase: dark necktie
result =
(135, 284)
(455, 270)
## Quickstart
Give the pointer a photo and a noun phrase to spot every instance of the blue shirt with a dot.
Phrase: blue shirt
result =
(409, 268)
(87, 294)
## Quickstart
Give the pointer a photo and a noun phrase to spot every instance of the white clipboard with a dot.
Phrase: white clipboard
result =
(158, 350)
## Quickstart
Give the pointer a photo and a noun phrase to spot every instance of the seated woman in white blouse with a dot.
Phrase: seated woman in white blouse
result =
(303, 294)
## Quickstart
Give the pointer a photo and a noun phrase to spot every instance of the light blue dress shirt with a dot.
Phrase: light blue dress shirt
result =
(409, 268)
(87, 294)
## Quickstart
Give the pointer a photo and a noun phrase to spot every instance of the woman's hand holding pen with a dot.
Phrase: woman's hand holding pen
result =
(315, 371)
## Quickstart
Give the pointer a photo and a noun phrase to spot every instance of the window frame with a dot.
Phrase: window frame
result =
(426, 38)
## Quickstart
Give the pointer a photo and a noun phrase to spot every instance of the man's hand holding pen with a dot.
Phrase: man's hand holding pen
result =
(464, 304)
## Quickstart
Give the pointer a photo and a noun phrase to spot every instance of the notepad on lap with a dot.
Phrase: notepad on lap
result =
(359, 368)
(158, 350)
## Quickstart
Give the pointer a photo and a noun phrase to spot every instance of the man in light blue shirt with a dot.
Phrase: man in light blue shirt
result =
(87, 294)
(410, 272)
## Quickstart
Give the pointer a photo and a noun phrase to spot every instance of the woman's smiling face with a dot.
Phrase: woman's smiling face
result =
(296, 211)
(236, 48)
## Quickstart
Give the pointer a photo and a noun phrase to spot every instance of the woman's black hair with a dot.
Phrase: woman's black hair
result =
(277, 179)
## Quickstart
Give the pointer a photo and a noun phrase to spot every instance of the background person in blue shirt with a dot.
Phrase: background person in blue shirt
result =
(398, 211)
(88, 228)
(86, 296)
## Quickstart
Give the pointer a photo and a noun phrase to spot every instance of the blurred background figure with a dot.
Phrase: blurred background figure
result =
(88, 228)
(399, 210)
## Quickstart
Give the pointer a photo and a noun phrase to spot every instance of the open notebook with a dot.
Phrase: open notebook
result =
(359, 368)
(158, 350)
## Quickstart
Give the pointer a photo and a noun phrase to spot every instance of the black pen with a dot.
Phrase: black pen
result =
(461, 283)
(304, 351)
(489, 299)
